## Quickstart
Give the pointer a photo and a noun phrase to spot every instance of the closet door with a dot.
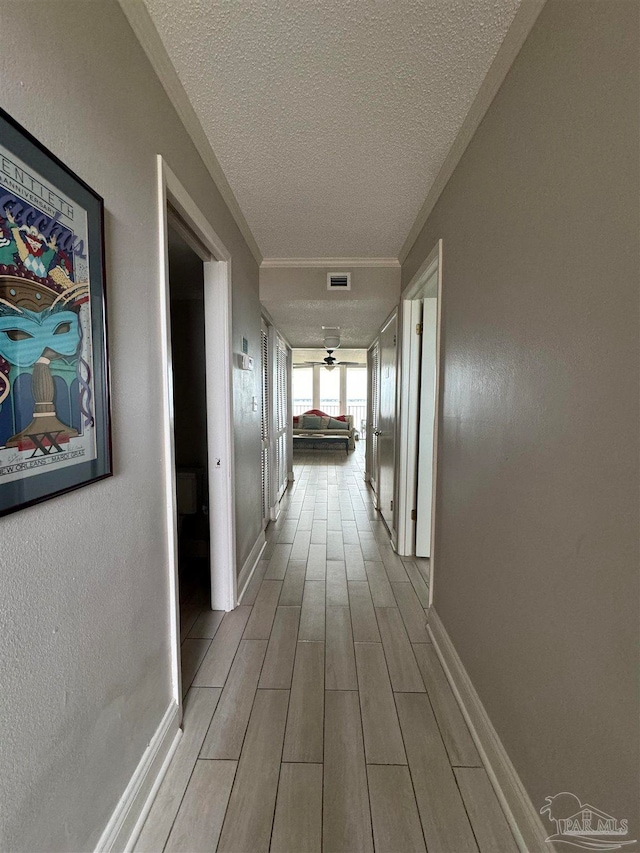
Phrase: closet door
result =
(386, 426)
(280, 419)
(372, 431)
(265, 430)
(429, 361)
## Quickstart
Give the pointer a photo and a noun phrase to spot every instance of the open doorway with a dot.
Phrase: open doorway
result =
(186, 290)
(199, 480)
(419, 399)
(338, 388)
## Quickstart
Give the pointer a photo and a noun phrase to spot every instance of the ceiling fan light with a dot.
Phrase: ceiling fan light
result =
(330, 366)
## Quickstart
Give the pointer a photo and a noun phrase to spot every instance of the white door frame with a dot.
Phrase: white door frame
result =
(394, 315)
(410, 403)
(290, 473)
(265, 377)
(219, 391)
(267, 319)
(371, 468)
(279, 486)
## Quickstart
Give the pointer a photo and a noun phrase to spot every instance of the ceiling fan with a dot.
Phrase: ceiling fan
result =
(330, 362)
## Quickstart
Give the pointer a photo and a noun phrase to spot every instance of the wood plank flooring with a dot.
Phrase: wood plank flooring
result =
(317, 715)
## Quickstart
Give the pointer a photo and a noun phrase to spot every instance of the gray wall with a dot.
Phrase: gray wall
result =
(537, 508)
(84, 607)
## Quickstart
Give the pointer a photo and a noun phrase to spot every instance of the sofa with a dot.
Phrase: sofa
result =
(315, 422)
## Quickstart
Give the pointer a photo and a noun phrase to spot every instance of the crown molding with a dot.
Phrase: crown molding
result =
(516, 36)
(330, 262)
(145, 31)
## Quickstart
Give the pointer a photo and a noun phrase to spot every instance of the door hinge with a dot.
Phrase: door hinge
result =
(418, 328)
(394, 340)
(391, 506)
(414, 515)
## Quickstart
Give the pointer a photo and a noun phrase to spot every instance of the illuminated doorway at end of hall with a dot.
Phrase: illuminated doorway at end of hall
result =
(340, 391)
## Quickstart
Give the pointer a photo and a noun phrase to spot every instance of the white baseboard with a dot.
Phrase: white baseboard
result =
(250, 564)
(126, 821)
(274, 512)
(144, 813)
(522, 815)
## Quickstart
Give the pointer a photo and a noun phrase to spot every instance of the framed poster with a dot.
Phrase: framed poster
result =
(54, 397)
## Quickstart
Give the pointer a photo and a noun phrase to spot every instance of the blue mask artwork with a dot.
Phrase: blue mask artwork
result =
(25, 336)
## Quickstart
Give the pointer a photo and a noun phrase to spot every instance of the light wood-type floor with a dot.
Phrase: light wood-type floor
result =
(318, 716)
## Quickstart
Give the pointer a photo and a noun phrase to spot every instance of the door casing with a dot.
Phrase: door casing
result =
(371, 448)
(422, 284)
(426, 425)
(219, 393)
(265, 426)
(387, 421)
(280, 426)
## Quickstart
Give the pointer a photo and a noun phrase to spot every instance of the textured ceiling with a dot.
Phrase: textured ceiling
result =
(331, 120)
(300, 304)
(359, 319)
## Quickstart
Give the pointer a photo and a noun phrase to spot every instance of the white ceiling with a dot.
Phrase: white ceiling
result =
(300, 304)
(301, 320)
(331, 120)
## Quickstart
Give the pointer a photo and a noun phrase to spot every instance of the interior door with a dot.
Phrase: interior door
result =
(426, 426)
(265, 431)
(372, 430)
(387, 420)
(280, 419)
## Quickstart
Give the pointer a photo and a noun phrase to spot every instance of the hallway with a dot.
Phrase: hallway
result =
(317, 715)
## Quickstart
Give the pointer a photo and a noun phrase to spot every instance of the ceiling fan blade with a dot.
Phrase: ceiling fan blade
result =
(331, 360)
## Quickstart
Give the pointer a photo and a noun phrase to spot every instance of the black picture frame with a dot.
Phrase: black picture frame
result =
(55, 429)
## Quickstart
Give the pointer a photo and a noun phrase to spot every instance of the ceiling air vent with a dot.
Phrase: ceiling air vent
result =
(338, 281)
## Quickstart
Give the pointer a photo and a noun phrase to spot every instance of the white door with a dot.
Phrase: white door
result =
(372, 428)
(265, 431)
(279, 422)
(387, 420)
(426, 426)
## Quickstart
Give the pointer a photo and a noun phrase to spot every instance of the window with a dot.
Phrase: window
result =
(357, 394)
(330, 391)
(302, 389)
